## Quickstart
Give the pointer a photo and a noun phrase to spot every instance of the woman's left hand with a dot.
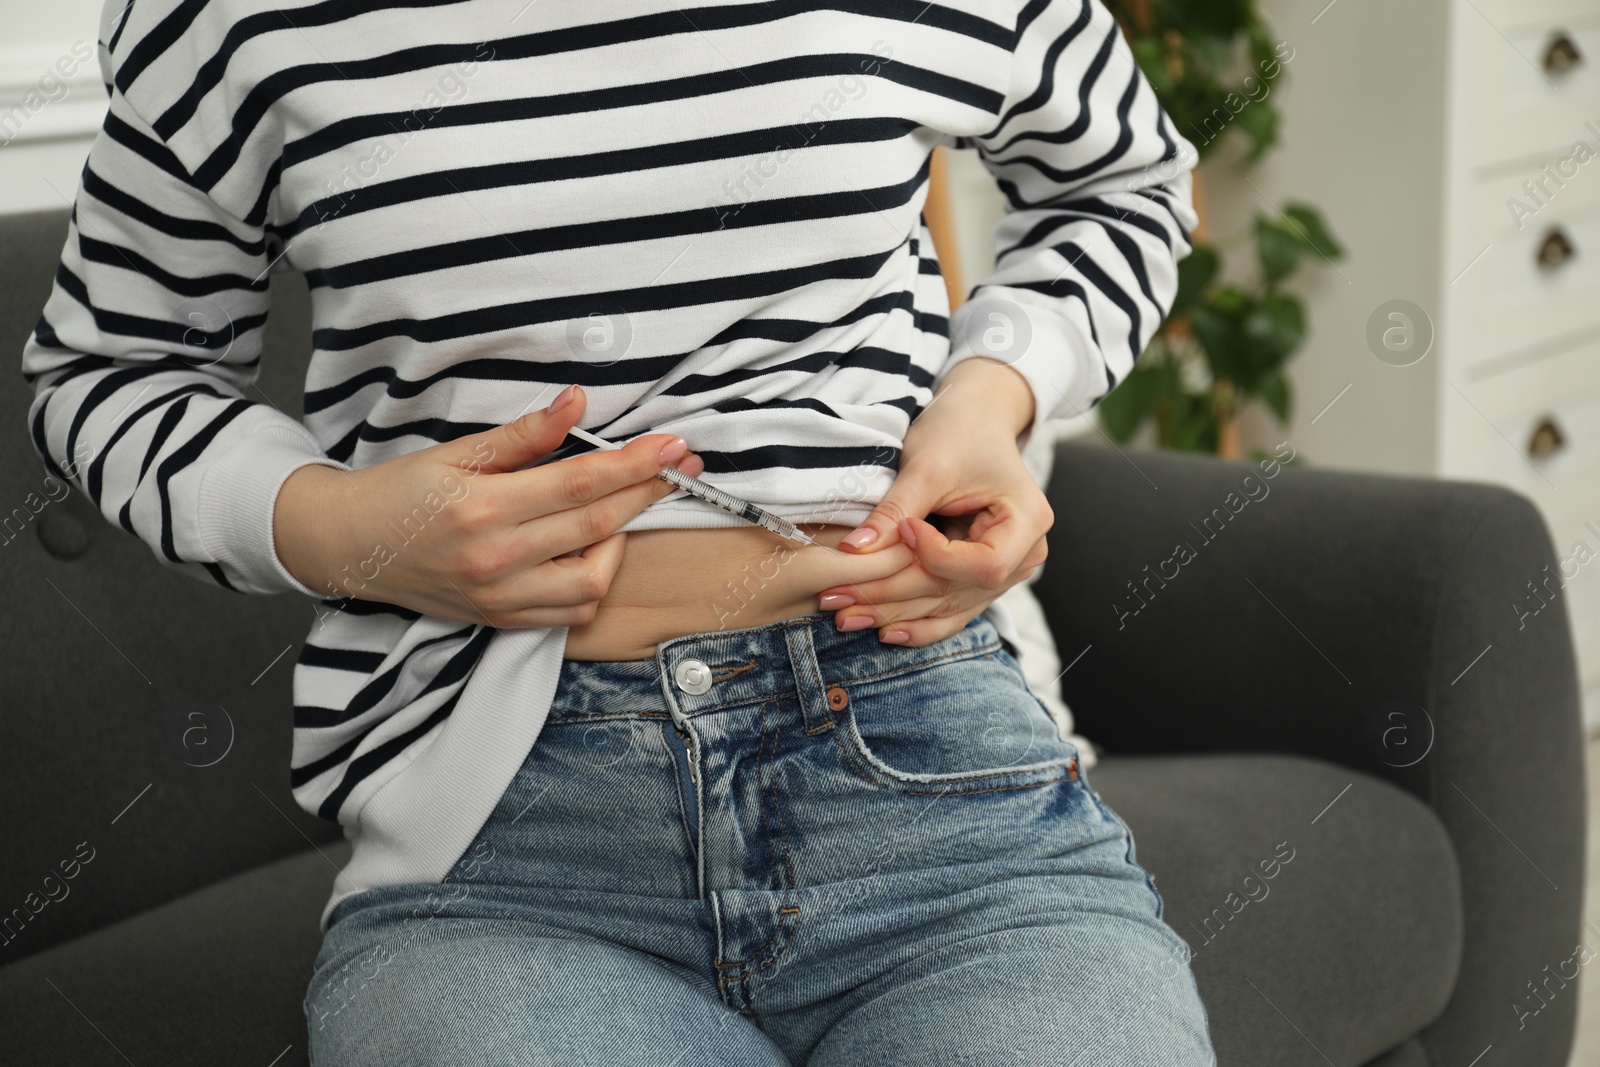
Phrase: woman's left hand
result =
(959, 460)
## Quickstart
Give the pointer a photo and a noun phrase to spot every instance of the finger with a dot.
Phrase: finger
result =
(959, 598)
(556, 586)
(571, 529)
(912, 494)
(565, 582)
(515, 444)
(986, 562)
(602, 558)
(921, 632)
(894, 611)
(907, 583)
(891, 612)
(571, 483)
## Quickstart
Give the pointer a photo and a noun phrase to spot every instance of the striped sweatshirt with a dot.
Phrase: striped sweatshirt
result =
(709, 215)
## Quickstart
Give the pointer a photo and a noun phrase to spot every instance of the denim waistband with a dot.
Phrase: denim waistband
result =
(805, 653)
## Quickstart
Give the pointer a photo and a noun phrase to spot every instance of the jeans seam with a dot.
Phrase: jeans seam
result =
(965, 653)
(1128, 854)
(781, 926)
(678, 789)
(744, 971)
(745, 701)
(642, 715)
(743, 962)
(777, 810)
(996, 789)
(850, 759)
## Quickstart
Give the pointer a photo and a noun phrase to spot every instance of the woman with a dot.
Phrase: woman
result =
(629, 780)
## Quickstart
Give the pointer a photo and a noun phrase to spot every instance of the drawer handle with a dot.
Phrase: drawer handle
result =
(1562, 54)
(1556, 249)
(1546, 439)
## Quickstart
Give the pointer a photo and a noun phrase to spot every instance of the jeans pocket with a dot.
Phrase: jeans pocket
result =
(965, 723)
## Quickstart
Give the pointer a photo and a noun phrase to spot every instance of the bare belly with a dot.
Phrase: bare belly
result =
(677, 582)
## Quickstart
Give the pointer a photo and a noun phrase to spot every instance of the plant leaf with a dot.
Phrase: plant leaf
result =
(1262, 51)
(1152, 60)
(1278, 248)
(1191, 424)
(1195, 271)
(1216, 329)
(1127, 406)
(1272, 329)
(1231, 300)
(1312, 232)
(1212, 50)
(1259, 122)
(1275, 391)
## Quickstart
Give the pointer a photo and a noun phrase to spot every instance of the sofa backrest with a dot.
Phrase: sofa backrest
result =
(147, 714)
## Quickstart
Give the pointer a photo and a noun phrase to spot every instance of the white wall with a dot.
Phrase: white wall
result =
(1362, 139)
(1374, 168)
(51, 100)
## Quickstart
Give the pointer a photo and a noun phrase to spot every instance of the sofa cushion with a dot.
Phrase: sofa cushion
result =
(216, 976)
(1322, 905)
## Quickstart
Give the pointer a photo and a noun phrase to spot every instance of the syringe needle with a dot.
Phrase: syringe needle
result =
(598, 442)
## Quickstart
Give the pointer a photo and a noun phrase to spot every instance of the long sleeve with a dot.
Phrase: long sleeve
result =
(144, 352)
(1098, 213)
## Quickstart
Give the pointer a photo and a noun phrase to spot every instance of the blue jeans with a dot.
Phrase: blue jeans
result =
(776, 845)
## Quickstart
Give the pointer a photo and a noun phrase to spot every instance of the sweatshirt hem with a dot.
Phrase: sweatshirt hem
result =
(420, 822)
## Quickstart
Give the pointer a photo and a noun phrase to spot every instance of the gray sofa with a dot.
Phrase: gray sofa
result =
(1357, 782)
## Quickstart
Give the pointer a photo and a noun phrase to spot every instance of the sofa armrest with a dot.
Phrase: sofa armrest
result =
(1312, 605)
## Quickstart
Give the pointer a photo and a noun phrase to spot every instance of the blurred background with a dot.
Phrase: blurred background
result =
(1397, 266)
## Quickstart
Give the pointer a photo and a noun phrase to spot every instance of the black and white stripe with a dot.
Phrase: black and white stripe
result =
(464, 183)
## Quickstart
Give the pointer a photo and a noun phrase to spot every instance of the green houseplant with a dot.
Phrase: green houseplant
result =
(1213, 64)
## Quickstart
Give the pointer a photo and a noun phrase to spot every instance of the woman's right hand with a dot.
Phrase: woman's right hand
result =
(459, 530)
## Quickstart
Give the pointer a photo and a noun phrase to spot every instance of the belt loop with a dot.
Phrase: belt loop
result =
(808, 682)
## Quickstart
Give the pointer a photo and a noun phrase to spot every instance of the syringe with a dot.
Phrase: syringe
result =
(712, 495)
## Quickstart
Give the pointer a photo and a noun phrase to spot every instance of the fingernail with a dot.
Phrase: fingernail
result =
(856, 622)
(835, 601)
(908, 534)
(860, 538)
(694, 467)
(673, 451)
(894, 637)
(562, 399)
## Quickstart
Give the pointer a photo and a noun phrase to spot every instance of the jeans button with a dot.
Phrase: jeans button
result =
(692, 676)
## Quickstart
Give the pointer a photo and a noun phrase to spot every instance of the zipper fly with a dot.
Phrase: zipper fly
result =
(680, 726)
(689, 785)
(689, 753)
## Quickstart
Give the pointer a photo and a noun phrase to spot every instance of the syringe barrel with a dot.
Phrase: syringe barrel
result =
(712, 495)
(733, 505)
